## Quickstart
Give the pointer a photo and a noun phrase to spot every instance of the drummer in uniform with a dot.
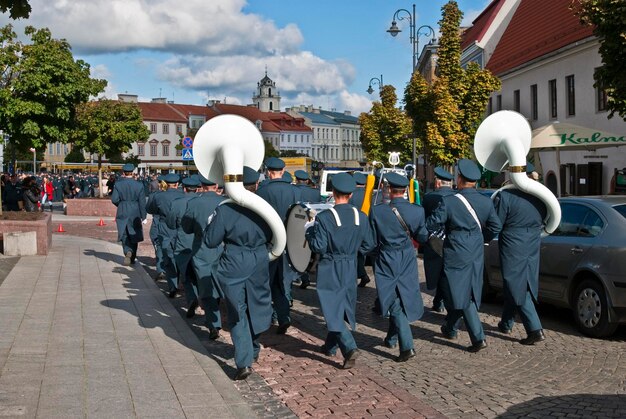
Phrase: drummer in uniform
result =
(469, 220)
(159, 204)
(358, 196)
(242, 272)
(433, 263)
(337, 234)
(392, 229)
(203, 258)
(280, 195)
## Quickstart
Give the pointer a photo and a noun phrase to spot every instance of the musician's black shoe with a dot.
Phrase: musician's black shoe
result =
(214, 333)
(503, 329)
(364, 281)
(351, 359)
(282, 329)
(243, 373)
(304, 284)
(388, 344)
(191, 310)
(478, 346)
(405, 355)
(533, 337)
(448, 334)
(327, 351)
(173, 294)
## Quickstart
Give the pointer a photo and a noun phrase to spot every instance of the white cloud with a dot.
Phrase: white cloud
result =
(354, 103)
(470, 15)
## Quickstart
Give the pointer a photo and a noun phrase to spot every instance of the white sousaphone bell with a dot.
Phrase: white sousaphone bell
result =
(504, 138)
(222, 147)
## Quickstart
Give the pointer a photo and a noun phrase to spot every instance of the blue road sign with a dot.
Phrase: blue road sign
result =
(187, 142)
(187, 154)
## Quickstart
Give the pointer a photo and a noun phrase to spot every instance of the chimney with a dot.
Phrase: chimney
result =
(125, 97)
(159, 100)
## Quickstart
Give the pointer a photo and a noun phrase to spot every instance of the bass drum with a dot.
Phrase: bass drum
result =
(298, 249)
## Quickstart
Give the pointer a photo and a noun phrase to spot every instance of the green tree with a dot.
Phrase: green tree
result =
(40, 86)
(108, 127)
(291, 153)
(17, 8)
(270, 151)
(386, 128)
(609, 20)
(447, 113)
(75, 155)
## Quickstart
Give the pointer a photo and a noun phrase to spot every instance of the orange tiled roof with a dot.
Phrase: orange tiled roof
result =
(480, 25)
(160, 112)
(537, 28)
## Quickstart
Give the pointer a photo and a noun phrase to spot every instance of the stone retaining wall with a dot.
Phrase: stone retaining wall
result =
(94, 207)
(42, 227)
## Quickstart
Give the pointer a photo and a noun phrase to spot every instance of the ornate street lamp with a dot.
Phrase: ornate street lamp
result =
(376, 80)
(414, 34)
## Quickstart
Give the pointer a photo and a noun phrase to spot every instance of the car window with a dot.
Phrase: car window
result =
(621, 209)
(592, 225)
(572, 217)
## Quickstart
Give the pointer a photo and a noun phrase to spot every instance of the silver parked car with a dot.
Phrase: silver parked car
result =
(583, 263)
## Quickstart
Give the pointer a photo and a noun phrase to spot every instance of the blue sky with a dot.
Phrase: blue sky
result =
(319, 52)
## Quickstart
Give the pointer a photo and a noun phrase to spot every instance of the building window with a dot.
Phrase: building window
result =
(516, 101)
(571, 95)
(534, 103)
(153, 149)
(50, 149)
(499, 102)
(601, 99)
(153, 127)
(179, 129)
(141, 149)
(553, 102)
(166, 128)
(166, 149)
(490, 106)
(58, 149)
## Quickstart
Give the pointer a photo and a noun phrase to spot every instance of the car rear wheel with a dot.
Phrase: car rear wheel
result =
(591, 310)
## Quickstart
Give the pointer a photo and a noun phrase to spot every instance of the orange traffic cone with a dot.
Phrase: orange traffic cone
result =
(101, 223)
(60, 229)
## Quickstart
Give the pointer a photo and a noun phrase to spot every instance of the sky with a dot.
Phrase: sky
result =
(318, 52)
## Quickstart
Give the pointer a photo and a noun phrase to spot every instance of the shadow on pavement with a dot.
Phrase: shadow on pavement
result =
(571, 406)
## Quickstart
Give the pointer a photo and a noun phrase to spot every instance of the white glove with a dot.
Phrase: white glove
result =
(308, 225)
(145, 221)
(311, 213)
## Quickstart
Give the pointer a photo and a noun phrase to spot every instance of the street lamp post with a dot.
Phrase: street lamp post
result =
(414, 34)
(376, 80)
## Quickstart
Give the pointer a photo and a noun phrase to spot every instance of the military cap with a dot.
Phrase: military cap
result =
(396, 180)
(343, 183)
(469, 170)
(250, 176)
(442, 173)
(171, 178)
(191, 182)
(529, 167)
(160, 178)
(287, 177)
(274, 163)
(205, 181)
(301, 175)
(128, 167)
(359, 178)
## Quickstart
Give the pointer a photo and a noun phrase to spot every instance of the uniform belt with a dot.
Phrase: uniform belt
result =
(243, 247)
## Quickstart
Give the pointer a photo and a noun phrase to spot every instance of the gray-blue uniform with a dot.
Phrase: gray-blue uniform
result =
(519, 241)
(433, 263)
(280, 195)
(242, 272)
(395, 267)
(159, 204)
(184, 240)
(204, 259)
(337, 235)
(130, 201)
(155, 238)
(463, 253)
(308, 194)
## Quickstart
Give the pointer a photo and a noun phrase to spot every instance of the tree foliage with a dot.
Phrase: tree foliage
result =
(447, 113)
(386, 128)
(75, 155)
(270, 151)
(40, 86)
(17, 9)
(609, 20)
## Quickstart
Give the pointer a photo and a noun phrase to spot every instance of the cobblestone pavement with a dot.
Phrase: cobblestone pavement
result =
(567, 375)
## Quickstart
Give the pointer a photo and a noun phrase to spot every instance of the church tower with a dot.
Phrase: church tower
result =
(266, 97)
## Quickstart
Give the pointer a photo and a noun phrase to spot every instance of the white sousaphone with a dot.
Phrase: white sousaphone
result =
(504, 138)
(222, 147)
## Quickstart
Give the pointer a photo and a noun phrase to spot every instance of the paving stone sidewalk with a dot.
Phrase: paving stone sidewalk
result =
(83, 336)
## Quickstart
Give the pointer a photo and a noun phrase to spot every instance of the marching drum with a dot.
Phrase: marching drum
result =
(297, 247)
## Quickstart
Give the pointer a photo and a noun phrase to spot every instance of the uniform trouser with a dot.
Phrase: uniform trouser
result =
(158, 253)
(527, 312)
(399, 327)
(280, 296)
(360, 266)
(469, 314)
(244, 340)
(169, 267)
(342, 340)
(187, 276)
(209, 303)
(129, 246)
(438, 298)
